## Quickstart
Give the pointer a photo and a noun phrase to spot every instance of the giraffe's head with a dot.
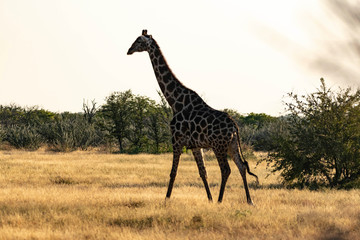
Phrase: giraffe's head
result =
(141, 44)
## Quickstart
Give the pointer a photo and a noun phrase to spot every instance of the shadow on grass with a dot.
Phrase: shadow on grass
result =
(189, 184)
(169, 222)
(134, 204)
(267, 186)
(156, 184)
(334, 233)
(141, 223)
(62, 180)
(136, 185)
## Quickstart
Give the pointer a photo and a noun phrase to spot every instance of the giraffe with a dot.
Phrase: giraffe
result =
(195, 125)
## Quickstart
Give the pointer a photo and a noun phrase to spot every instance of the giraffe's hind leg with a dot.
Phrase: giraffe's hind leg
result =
(225, 171)
(202, 171)
(235, 154)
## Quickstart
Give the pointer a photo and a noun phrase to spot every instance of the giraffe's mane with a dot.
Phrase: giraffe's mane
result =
(179, 82)
(158, 47)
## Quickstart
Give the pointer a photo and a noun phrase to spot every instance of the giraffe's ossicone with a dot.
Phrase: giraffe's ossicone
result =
(195, 125)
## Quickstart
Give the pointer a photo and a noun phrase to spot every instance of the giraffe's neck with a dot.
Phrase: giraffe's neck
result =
(170, 86)
(177, 95)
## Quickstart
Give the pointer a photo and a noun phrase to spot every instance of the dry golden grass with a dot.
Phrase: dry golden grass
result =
(88, 195)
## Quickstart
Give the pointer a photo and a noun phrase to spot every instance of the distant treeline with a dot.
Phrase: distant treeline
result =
(316, 144)
(126, 123)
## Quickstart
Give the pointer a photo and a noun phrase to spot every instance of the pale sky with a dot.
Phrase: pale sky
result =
(243, 55)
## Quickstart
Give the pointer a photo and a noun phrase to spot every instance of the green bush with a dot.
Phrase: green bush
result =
(256, 129)
(158, 130)
(2, 134)
(264, 138)
(25, 137)
(321, 146)
(70, 132)
(30, 116)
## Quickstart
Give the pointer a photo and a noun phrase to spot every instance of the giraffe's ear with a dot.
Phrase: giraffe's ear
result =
(144, 32)
(150, 36)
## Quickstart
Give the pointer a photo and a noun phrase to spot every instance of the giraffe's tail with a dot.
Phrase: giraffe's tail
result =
(243, 158)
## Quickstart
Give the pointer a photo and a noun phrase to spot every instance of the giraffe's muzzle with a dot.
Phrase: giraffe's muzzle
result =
(130, 51)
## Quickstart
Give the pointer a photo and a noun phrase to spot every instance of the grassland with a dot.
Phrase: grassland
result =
(89, 195)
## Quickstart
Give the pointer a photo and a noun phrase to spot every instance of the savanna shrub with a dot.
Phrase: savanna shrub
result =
(70, 132)
(2, 134)
(264, 138)
(26, 137)
(321, 146)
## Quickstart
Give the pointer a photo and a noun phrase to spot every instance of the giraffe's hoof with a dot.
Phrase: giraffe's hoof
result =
(166, 200)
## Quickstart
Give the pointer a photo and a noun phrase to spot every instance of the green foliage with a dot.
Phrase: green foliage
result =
(20, 125)
(322, 144)
(140, 111)
(2, 134)
(116, 114)
(136, 122)
(257, 120)
(69, 132)
(158, 130)
(265, 137)
(10, 115)
(256, 129)
(16, 115)
(24, 137)
(30, 128)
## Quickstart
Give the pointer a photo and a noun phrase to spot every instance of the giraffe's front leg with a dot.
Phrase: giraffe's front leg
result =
(176, 158)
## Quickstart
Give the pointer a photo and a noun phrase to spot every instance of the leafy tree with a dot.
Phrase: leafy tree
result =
(158, 129)
(166, 110)
(140, 107)
(10, 115)
(322, 144)
(16, 115)
(117, 113)
(158, 126)
(137, 122)
(257, 120)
